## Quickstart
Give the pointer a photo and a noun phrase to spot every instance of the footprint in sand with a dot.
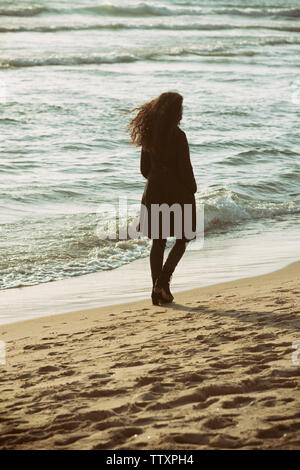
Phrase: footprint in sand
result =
(36, 347)
(47, 369)
(219, 422)
(117, 437)
(188, 438)
(225, 442)
(277, 431)
(237, 402)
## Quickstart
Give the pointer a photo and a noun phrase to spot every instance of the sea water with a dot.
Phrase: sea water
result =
(68, 73)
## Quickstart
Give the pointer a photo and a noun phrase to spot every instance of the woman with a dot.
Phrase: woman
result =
(165, 163)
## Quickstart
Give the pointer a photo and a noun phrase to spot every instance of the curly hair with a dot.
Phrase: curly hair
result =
(153, 125)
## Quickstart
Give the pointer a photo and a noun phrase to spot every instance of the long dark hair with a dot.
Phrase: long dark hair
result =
(153, 125)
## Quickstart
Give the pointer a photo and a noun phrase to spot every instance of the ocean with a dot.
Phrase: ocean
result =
(68, 73)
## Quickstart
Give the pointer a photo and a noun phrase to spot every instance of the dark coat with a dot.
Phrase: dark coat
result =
(170, 179)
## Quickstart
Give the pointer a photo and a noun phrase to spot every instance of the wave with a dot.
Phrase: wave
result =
(113, 26)
(138, 10)
(141, 9)
(259, 12)
(144, 9)
(72, 60)
(218, 51)
(147, 10)
(291, 29)
(279, 41)
(226, 208)
(292, 13)
(32, 10)
(247, 157)
(116, 26)
(112, 58)
(77, 245)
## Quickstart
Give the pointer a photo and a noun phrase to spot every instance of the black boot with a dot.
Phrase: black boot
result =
(162, 287)
(155, 297)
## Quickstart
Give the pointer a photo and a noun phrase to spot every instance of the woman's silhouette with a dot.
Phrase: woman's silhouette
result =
(165, 163)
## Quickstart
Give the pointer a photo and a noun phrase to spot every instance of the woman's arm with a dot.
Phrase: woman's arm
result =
(145, 163)
(185, 169)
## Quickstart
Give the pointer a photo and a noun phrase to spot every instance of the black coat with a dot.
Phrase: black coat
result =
(170, 179)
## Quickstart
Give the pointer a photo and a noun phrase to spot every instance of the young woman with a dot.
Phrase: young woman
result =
(165, 163)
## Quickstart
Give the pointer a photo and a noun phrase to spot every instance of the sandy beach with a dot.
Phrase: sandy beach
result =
(215, 370)
(91, 96)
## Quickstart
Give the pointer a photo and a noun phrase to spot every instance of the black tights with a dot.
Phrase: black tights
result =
(157, 257)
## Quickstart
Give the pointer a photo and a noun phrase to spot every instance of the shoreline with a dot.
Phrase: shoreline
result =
(214, 370)
(146, 302)
(221, 260)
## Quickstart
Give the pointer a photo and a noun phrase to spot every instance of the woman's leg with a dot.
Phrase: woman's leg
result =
(163, 281)
(174, 257)
(157, 257)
